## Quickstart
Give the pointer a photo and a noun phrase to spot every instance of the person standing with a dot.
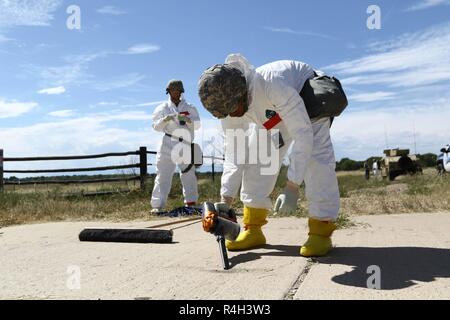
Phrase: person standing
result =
(178, 120)
(366, 170)
(375, 169)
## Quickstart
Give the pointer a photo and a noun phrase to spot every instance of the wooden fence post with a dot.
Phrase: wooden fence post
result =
(213, 178)
(143, 166)
(1, 170)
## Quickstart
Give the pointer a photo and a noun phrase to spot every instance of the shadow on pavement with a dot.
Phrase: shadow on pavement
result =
(277, 251)
(399, 266)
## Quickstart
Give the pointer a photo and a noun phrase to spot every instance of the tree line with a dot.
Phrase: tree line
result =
(345, 164)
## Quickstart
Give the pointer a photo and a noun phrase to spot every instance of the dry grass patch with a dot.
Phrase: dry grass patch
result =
(408, 194)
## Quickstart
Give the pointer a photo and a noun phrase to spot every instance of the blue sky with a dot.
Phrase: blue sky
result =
(93, 90)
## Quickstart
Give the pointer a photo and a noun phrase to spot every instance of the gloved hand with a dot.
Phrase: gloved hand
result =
(286, 201)
(183, 118)
(168, 118)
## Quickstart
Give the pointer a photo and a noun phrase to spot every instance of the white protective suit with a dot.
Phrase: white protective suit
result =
(233, 169)
(275, 87)
(375, 168)
(165, 165)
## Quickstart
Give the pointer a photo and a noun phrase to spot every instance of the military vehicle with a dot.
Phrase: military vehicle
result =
(396, 162)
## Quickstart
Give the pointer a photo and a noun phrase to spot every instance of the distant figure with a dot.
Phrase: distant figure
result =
(375, 169)
(172, 116)
(366, 170)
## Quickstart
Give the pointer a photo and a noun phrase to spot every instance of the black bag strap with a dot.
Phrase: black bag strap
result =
(189, 167)
(180, 139)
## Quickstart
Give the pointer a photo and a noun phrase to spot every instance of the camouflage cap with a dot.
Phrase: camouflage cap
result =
(221, 88)
(175, 85)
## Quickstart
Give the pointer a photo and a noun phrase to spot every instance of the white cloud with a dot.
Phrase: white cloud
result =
(122, 116)
(371, 96)
(74, 74)
(417, 66)
(125, 81)
(299, 33)
(359, 135)
(143, 48)
(14, 108)
(410, 60)
(53, 91)
(107, 103)
(145, 104)
(4, 38)
(85, 58)
(111, 10)
(77, 74)
(27, 12)
(405, 79)
(62, 113)
(425, 4)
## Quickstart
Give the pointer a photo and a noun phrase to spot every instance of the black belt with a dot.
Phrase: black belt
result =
(180, 139)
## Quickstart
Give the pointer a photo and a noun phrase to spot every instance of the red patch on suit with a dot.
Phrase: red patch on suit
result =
(272, 122)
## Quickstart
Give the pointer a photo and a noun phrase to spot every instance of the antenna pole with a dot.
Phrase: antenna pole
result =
(386, 137)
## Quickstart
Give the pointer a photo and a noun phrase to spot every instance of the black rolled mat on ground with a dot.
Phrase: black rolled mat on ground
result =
(126, 235)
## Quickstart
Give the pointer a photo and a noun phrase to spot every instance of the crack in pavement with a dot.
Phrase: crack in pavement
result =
(298, 282)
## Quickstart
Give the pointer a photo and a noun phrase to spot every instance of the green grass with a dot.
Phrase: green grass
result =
(60, 203)
(407, 194)
(349, 183)
(48, 206)
(420, 185)
(344, 221)
(423, 193)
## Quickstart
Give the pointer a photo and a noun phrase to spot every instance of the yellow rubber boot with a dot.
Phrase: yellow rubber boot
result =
(319, 240)
(252, 236)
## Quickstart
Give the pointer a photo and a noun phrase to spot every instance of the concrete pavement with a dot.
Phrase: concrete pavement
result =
(411, 253)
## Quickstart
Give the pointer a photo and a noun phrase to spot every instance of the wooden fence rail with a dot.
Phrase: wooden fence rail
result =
(94, 156)
(75, 169)
(142, 165)
(17, 183)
